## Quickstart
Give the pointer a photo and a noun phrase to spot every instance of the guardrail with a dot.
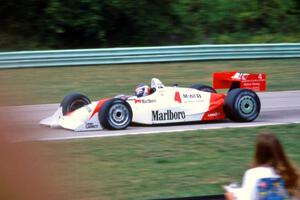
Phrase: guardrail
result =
(22, 59)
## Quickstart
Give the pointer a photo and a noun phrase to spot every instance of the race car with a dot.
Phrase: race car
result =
(164, 105)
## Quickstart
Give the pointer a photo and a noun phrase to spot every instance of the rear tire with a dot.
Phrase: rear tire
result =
(73, 101)
(204, 88)
(115, 114)
(242, 105)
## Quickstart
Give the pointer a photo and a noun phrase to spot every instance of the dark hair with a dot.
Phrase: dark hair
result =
(269, 152)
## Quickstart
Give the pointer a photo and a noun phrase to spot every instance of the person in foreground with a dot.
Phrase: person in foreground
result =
(272, 176)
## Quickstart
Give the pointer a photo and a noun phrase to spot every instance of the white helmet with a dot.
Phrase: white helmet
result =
(142, 90)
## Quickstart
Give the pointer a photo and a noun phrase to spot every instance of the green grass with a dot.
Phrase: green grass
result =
(148, 166)
(161, 165)
(49, 85)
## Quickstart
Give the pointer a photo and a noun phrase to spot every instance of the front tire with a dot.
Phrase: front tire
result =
(242, 105)
(115, 114)
(73, 101)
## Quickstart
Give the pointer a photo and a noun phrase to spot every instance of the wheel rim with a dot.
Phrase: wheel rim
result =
(247, 105)
(119, 115)
(78, 103)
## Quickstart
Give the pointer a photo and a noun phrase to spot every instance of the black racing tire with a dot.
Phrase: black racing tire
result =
(115, 114)
(73, 101)
(242, 105)
(204, 88)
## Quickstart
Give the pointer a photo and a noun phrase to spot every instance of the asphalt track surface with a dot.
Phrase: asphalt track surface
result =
(22, 122)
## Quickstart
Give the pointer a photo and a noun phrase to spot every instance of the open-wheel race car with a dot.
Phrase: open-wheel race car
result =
(164, 105)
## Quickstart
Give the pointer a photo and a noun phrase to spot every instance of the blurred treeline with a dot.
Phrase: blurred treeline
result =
(57, 24)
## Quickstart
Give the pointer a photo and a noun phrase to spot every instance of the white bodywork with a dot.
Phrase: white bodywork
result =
(81, 119)
(169, 105)
(165, 105)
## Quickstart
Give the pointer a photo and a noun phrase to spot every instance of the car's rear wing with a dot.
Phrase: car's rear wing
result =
(224, 80)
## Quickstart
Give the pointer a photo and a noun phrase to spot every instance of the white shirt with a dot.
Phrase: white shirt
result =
(248, 190)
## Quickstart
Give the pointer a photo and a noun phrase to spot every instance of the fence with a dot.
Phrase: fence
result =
(20, 59)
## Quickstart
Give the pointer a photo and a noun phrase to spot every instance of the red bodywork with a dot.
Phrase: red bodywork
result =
(230, 80)
(215, 110)
(255, 82)
(98, 107)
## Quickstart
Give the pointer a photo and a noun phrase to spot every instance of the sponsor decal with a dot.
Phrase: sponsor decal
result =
(90, 125)
(192, 96)
(177, 97)
(167, 115)
(240, 76)
(144, 101)
(215, 114)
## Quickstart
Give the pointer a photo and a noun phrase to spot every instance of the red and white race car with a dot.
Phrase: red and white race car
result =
(165, 105)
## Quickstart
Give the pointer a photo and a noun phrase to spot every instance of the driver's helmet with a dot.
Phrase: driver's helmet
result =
(142, 90)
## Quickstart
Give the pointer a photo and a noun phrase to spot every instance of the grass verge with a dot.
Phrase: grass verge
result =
(50, 85)
(191, 163)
